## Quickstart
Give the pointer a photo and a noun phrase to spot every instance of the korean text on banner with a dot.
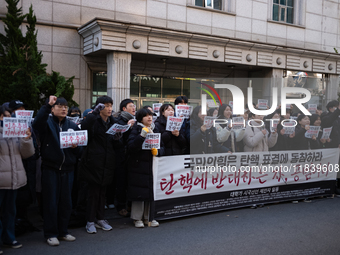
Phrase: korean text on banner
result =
(24, 114)
(174, 123)
(15, 127)
(183, 111)
(116, 128)
(70, 138)
(313, 131)
(326, 132)
(152, 140)
(209, 121)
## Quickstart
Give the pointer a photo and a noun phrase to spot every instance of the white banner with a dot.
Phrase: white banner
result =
(15, 127)
(70, 138)
(189, 175)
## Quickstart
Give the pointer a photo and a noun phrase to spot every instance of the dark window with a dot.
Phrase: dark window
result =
(214, 4)
(283, 10)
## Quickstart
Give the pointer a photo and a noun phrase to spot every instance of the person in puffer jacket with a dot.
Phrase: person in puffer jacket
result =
(174, 141)
(12, 177)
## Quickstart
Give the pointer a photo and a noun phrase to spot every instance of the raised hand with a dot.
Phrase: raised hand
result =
(52, 100)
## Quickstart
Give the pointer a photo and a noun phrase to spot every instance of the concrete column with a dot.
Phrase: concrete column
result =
(332, 87)
(273, 78)
(118, 77)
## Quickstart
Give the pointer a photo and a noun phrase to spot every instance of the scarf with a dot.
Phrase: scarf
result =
(151, 128)
(126, 115)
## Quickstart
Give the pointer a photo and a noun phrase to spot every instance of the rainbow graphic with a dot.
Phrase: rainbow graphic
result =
(209, 93)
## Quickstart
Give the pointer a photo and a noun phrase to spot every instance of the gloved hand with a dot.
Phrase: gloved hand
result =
(99, 108)
(144, 132)
(154, 151)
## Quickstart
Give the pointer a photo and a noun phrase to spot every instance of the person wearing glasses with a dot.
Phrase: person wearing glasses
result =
(57, 169)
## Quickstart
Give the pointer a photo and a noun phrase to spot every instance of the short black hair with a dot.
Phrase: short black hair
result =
(61, 101)
(73, 109)
(140, 114)
(181, 99)
(313, 118)
(319, 108)
(300, 117)
(164, 107)
(4, 109)
(221, 110)
(104, 100)
(210, 112)
(331, 104)
(124, 103)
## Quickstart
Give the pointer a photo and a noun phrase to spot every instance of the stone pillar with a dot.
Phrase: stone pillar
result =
(118, 77)
(332, 87)
(272, 78)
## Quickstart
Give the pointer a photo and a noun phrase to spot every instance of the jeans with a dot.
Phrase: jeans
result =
(57, 201)
(7, 212)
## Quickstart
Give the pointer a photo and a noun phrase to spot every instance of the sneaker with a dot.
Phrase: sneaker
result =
(124, 213)
(104, 225)
(139, 224)
(152, 223)
(68, 237)
(90, 228)
(53, 241)
(254, 206)
(14, 245)
(306, 200)
(111, 206)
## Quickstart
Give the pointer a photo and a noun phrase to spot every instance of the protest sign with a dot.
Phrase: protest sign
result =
(24, 114)
(15, 127)
(174, 123)
(183, 111)
(289, 127)
(231, 104)
(116, 128)
(273, 125)
(209, 121)
(326, 132)
(313, 131)
(211, 103)
(238, 123)
(156, 107)
(69, 138)
(262, 103)
(152, 140)
(312, 108)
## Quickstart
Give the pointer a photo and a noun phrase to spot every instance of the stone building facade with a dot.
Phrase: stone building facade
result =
(147, 49)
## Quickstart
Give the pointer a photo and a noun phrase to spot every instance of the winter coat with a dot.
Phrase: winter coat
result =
(48, 128)
(300, 142)
(331, 119)
(12, 151)
(98, 161)
(173, 145)
(140, 177)
(254, 140)
(204, 142)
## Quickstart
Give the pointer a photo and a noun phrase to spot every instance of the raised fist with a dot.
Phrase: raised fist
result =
(99, 108)
(52, 100)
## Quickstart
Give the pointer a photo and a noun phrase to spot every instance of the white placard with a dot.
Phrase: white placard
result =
(156, 107)
(15, 127)
(273, 125)
(152, 140)
(116, 128)
(326, 132)
(209, 121)
(211, 103)
(24, 114)
(69, 138)
(313, 131)
(262, 103)
(174, 123)
(238, 123)
(231, 103)
(312, 108)
(183, 111)
(289, 127)
(154, 118)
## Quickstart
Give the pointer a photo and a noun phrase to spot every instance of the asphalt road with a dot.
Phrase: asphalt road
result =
(284, 228)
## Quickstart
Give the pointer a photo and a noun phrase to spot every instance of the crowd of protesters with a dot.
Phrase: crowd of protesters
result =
(113, 171)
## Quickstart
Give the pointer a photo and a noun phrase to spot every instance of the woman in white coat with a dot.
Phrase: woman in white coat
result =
(12, 177)
(256, 136)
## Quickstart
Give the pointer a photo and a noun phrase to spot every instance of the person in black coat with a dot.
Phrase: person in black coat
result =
(140, 177)
(57, 169)
(118, 187)
(98, 162)
(203, 140)
(174, 141)
(299, 141)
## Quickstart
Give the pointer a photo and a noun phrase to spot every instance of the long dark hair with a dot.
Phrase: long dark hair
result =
(222, 109)
(194, 115)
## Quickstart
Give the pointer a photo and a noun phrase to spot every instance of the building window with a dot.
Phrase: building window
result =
(99, 86)
(214, 4)
(283, 11)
